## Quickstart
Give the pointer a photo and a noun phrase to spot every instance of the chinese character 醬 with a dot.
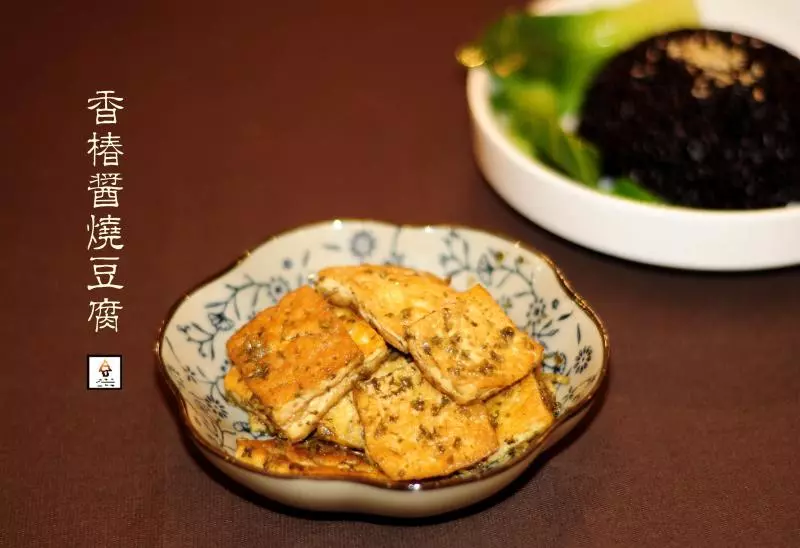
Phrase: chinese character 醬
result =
(105, 187)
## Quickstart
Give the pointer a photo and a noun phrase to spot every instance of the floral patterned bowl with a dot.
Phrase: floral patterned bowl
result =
(191, 349)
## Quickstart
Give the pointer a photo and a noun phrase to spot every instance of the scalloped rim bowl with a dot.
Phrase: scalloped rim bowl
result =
(667, 236)
(190, 349)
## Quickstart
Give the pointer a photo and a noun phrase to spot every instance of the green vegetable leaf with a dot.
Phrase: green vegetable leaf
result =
(568, 50)
(543, 65)
(532, 109)
(628, 188)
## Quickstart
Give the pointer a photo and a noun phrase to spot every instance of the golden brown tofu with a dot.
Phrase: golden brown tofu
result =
(309, 458)
(390, 298)
(259, 424)
(236, 391)
(366, 338)
(470, 349)
(341, 424)
(412, 431)
(298, 360)
(519, 414)
(239, 394)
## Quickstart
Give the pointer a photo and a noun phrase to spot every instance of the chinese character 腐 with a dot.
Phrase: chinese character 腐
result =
(104, 272)
(105, 107)
(108, 146)
(104, 313)
(105, 231)
(105, 187)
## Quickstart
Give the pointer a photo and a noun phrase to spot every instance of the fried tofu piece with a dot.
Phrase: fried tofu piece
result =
(519, 414)
(470, 349)
(366, 338)
(239, 394)
(412, 431)
(259, 424)
(341, 424)
(389, 297)
(298, 359)
(236, 391)
(342, 420)
(310, 458)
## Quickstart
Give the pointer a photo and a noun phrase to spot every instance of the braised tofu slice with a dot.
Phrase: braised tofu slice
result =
(239, 394)
(236, 391)
(341, 424)
(390, 298)
(298, 359)
(259, 424)
(470, 349)
(412, 431)
(519, 414)
(366, 338)
(309, 458)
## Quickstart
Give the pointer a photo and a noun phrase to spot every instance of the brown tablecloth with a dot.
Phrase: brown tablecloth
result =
(245, 119)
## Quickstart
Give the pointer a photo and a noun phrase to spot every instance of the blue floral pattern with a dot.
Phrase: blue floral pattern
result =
(362, 244)
(524, 285)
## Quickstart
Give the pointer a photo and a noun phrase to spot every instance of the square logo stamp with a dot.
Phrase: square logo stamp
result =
(104, 372)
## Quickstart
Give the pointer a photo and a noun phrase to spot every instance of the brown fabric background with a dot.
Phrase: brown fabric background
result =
(246, 119)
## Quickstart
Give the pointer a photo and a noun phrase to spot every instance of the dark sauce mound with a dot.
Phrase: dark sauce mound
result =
(702, 118)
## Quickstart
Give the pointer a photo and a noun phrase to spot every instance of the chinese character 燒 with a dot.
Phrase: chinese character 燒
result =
(105, 107)
(104, 313)
(107, 146)
(104, 272)
(105, 187)
(104, 231)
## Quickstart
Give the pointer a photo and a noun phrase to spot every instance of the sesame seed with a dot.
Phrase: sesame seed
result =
(747, 79)
(707, 57)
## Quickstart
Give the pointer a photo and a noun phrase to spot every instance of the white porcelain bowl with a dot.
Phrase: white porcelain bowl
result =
(654, 234)
(191, 349)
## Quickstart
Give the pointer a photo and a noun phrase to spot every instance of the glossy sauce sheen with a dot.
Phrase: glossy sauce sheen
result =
(310, 458)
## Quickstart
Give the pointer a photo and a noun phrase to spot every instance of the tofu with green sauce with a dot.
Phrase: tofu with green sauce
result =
(412, 431)
(519, 414)
(390, 298)
(298, 359)
(470, 349)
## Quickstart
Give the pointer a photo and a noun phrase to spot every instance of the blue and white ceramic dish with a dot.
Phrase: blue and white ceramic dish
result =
(536, 296)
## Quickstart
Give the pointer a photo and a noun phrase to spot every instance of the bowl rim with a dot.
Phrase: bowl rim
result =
(421, 485)
(479, 82)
